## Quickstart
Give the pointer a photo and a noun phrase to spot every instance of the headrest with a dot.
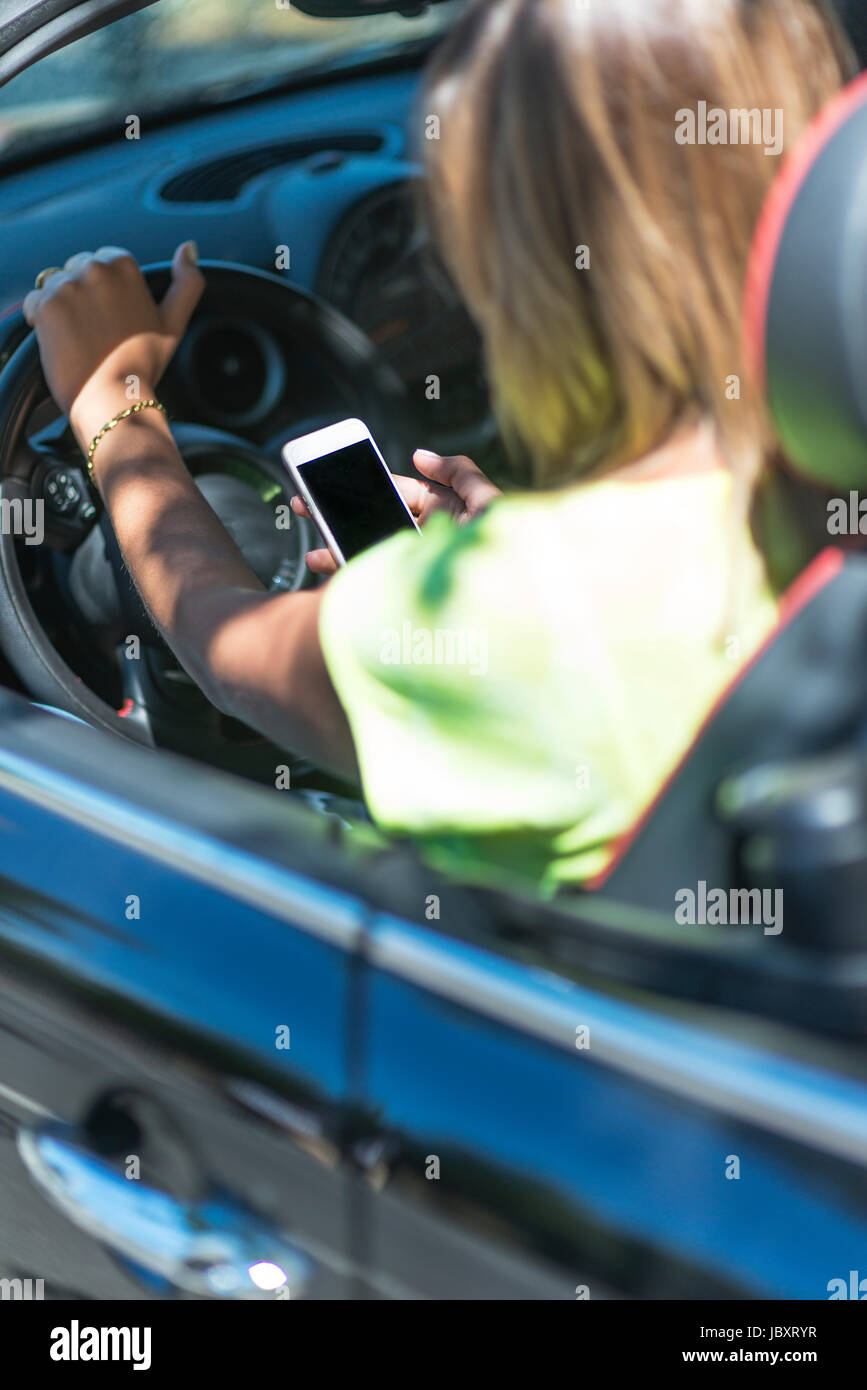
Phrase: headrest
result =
(805, 310)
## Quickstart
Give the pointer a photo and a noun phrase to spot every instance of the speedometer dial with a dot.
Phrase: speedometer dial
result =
(381, 273)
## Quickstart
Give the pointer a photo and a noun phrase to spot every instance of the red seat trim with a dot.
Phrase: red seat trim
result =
(811, 582)
(773, 219)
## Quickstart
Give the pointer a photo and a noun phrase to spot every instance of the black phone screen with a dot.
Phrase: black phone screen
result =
(355, 496)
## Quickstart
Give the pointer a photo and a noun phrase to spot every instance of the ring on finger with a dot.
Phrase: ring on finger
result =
(44, 274)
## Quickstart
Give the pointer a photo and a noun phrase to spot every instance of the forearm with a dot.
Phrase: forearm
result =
(255, 655)
(176, 548)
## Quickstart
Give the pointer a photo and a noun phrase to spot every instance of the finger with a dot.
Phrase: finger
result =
(414, 493)
(423, 497)
(320, 562)
(77, 262)
(113, 253)
(36, 300)
(459, 473)
(31, 305)
(54, 283)
(299, 506)
(185, 291)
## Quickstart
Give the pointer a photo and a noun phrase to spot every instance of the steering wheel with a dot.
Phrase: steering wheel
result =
(30, 467)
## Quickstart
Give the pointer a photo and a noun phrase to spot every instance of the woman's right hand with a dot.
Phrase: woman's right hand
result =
(456, 486)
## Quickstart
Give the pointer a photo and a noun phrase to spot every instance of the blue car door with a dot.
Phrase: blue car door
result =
(540, 1137)
(176, 982)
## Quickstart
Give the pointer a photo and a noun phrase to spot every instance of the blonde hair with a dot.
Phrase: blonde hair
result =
(556, 125)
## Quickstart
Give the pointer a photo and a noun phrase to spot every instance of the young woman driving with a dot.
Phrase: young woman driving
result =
(608, 603)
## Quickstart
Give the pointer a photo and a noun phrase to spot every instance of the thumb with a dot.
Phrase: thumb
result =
(464, 477)
(185, 290)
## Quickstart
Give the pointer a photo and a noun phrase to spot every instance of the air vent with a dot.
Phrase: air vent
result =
(234, 370)
(221, 180)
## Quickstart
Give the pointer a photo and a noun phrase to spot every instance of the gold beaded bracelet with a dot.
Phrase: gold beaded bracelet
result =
(112, 424)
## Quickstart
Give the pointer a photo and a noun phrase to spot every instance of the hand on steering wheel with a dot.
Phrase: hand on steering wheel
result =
(98, 325)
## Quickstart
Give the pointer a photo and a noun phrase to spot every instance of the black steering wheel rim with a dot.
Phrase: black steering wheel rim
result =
(350, 357)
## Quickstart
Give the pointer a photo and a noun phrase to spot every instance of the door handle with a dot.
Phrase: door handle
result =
(213, 1247)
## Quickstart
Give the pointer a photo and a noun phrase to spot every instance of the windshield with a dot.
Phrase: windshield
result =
(180, 52)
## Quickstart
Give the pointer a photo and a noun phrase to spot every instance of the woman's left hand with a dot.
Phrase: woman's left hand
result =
(97, 325)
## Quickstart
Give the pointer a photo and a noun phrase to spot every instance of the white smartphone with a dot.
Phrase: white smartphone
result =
(343, 478)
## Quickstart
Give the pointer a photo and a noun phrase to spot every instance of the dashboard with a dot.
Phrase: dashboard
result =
(318, 184)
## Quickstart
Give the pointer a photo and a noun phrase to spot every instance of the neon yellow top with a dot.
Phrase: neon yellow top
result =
(519, 688)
